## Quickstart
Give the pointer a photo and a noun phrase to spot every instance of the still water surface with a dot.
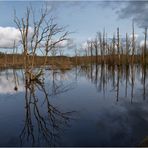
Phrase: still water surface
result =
(85, 106)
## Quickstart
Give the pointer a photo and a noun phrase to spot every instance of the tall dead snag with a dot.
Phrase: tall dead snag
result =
(76, 57)
(88, 48)
(96, 49)
(121, 53)
(14, 53)
(113, 48)
(133, 42)
(118, 44)
(38, 34)
(127, 49)
(91, 50)
(104, 46)
(145, 46)
(23, 26)
(5, 59)
(107, 50)
(100, 44)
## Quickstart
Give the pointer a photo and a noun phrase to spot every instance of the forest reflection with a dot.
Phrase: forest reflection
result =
(44, 122)
(116, 78)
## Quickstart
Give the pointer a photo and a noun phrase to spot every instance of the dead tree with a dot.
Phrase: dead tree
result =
(76, 57)
(14, 46)
(127, 48)
(133, 42)
(91, 50)
(113, 47)
(43, 34)
(104, 46)
(118, 44)
(23, 26)
(101, 44)
(96, 49)
(88, 48)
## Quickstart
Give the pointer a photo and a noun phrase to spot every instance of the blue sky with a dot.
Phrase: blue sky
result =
(84, 18)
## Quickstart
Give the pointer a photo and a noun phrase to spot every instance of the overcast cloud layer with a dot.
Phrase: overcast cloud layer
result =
(135, 10)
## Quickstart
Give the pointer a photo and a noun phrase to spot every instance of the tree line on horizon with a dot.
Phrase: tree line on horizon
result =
(115, 50)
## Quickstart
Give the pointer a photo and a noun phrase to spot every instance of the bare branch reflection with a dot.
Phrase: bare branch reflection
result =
(43, 122)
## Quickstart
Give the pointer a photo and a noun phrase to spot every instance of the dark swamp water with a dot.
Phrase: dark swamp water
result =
(87, 106)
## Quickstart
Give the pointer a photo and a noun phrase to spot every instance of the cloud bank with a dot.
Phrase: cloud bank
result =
(10, 34)
(135, 10)
(7, 37)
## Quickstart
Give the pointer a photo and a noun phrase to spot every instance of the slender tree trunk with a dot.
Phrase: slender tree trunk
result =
(104, 46)
(113, 49)
(133, 42)
(127, 49)
(118, 45)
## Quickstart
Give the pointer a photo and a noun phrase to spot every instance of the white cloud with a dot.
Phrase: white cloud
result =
(135, 35)
(142, 43)
(63, 43)
(84, 45)
(7, 85)
(10, 34)
(66, 43)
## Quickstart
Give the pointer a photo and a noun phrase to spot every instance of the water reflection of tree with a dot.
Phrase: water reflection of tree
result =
(115, 77)
(43, 122)
(144, 80)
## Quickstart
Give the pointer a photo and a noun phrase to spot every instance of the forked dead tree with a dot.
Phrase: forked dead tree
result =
(38, 34)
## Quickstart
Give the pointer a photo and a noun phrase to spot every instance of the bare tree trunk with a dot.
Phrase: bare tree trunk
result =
(76, 57)
(100, 43)
(13, 54)
(5, 59)
(104, 46)
(127, 49)
(113, 48)
(118, 45)
(91, 50)
(133, 42)
(96, 49)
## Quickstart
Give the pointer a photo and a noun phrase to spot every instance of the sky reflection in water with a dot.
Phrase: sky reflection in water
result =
(86, 106)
